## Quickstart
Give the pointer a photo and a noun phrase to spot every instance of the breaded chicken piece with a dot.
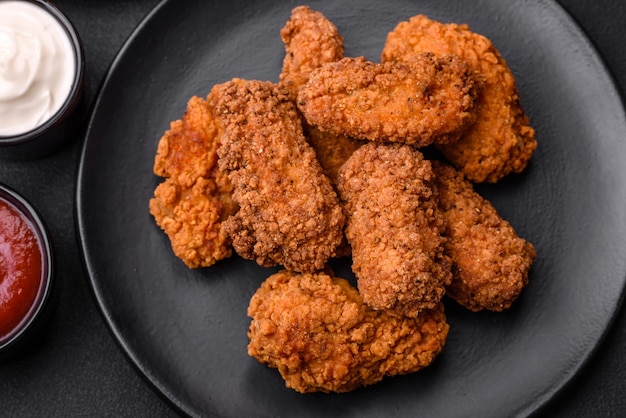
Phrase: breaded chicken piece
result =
(188, 149)
(332, 150)
(421, 101)
(194, 200)
(192, 218)
(310, 40)
(395, 228)
(502, 140)
(316, 330)
(490, 263)
(289, 214)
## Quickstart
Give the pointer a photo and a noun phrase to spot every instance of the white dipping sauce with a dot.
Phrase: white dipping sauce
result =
(37, 66)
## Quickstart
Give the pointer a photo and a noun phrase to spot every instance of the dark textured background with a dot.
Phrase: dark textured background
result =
(78, 370)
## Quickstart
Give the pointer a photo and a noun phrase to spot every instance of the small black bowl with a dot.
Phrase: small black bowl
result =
(61, 126)
(24, 333)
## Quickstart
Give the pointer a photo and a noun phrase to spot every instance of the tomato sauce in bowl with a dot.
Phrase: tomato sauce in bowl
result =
(25, 270)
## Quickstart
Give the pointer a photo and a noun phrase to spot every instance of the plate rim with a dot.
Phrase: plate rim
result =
(104, 312)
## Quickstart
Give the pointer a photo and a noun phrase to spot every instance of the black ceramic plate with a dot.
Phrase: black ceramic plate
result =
(185, 330)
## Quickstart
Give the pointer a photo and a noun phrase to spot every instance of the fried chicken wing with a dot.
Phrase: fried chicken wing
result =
(420, 101)
(490, 263)
(332, 150)
(289, 214)
(194, 200)
(310, 40)
(188, 149)
(316, 330)
(192, 218)
(502, 140)
(395, 228)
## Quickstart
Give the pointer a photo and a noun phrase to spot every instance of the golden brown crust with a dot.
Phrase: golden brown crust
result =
(289, 213)
(194, 200)
(188, 149)
(501, 141)
(192, 217)
(316, 330)
(490, 263)
(332, 150)
(420, 101)
(310, 41)
(395, 228)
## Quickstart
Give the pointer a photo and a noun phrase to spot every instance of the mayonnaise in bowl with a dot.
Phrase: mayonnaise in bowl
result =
(37, 66)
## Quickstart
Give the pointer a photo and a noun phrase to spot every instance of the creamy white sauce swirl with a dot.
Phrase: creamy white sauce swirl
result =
(37, 67)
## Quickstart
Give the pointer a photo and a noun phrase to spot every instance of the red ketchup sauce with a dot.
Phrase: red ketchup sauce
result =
(20, 268)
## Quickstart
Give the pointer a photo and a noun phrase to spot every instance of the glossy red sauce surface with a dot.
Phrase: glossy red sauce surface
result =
(20, 268)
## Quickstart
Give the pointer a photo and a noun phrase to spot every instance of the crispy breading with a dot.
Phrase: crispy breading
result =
(194, 200)
(192, 218)
(490, 262)
(316, 330)
(188, 149)
(332, 150)
(289, 214)
(395, 228)
(310, 40)
(421, 101)
(502, 140)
